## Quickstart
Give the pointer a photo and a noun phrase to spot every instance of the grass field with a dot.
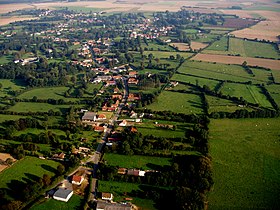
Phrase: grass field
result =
(136, 161)
(119, 189)
(8, 86)
(38, 107)
(46, 93)
(274, 91)
(162, 54)
(4, 117)
(276, 75)
(246, 164)
(27, 168)
(243, 48)
(177, 102)
(75, 202)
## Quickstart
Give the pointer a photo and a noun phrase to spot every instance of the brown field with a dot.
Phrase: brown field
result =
(267, 63)
(198, 45)
(4, 8)
(4, 157)
(181, 46)
(7, 20)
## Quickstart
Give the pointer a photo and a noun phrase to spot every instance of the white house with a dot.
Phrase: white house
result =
(63, 194)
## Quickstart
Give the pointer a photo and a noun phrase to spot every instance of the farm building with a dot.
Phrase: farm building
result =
(107, 196)
(101, 205)
(63, 194)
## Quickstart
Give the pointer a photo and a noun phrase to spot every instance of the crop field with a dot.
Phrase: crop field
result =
(38, 107)
(27, 168)
(46, 93)
(197, 45)
(267, 63)
(195, 80)
(246, 163)
(8, 86)
(136, 161)
(120, 189)
(177, 102)
(222, 105)
(74, 202)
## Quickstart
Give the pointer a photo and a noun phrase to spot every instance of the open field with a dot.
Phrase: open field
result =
(7, 20)
(195, 80)
(46, 93)
(38, 107)
(276, 75)
(162, 54)
(177, 102)
(4, 117)
(243, 48)
(246, 163)
(120, 191)
(9, 85)
(27, 168)
(136, 161)
(75, 202)
(274, 91)
(267, 63)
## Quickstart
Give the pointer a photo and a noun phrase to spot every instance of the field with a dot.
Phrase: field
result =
(136, 161)
(177, 102)
(267, 63)
(38, 107)
(7, 20)
(120, 191)
(27, 169)
(243, 48)
(4, 157)
(162, 54)
(46, 93)
(274, 91)
(8, 86)
(75, 202)
(246, 163)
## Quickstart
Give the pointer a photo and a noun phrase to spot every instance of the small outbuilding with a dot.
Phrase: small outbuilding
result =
(63, 194)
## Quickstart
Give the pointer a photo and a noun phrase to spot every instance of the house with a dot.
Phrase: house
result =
(132, 74)
(59, 156)
(89, 117)
(63, 194)
(84, 149)
(77, 179)
(133, 80)
(99, 129)
(107, 196)
(133, 97)
(122, 171)
(101, 117)
(118, 96)
(135, 172)
(123, 123)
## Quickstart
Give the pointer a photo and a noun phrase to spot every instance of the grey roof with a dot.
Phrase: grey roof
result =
(113, 206)
(62, 193)
(89, 116)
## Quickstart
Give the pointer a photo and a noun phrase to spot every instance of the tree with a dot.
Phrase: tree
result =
(46, 180)
(60, 169)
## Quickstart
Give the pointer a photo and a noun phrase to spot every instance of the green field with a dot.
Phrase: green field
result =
(10, 85)
(135, 161)
(177, 102)
(120, 189)
(206, 38)
(274, 91)
(246, 164)
(4, 117)
(46, 93)
(38, 107)
(163, 54)
(276, 75)
(27, 168)
(75, 202)
(244, 48)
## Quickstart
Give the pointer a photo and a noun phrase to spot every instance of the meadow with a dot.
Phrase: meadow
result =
(163, 54)
(8, 86)
(177, 102)
(136, 161)
(246, 163)
(274, 91)
(75, 202)
(46, 93)
(27, 169)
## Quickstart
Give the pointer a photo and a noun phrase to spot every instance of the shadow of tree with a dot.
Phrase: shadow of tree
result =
(15, 187)
(32, 177)
(49, 168)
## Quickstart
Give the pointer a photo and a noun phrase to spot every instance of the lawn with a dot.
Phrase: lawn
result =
(75, 202)
(27, 169)
(136, 161)
(120, 189)
(246, 163)
(8, 86)
(46, 93)
(177, 102)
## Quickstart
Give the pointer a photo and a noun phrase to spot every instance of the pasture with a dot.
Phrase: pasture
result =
(75, 202)
(28, 168)
(163, 54)
(136, 161)
(177, 102)
(9, 86)
(46, 93)
(246, 163)
(274, 91)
